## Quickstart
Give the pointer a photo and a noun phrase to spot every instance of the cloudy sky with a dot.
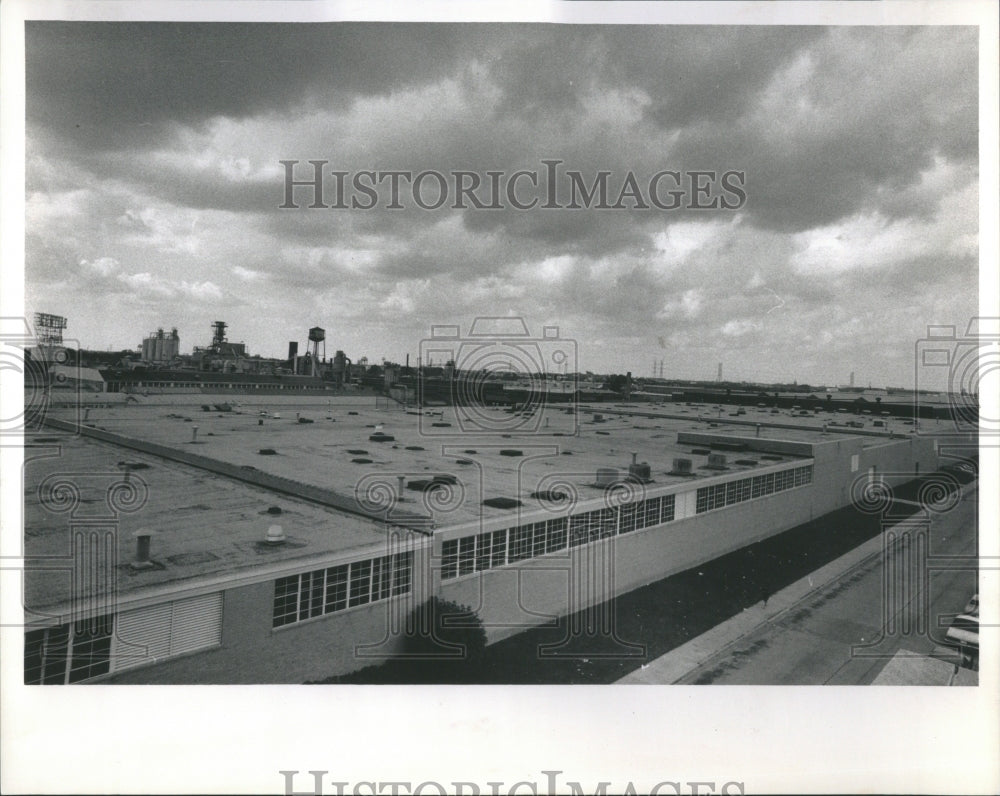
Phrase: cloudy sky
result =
(154, 185)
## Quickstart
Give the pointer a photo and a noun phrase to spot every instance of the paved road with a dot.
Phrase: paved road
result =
(846, 631)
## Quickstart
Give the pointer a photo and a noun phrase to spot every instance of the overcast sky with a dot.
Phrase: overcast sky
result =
(154, 185)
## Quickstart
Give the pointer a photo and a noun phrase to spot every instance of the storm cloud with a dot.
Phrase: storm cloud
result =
(154, 187)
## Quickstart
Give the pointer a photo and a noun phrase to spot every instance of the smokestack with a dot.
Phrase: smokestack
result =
(719, 377)
(407, 360)
(634, 455)
(852, 378)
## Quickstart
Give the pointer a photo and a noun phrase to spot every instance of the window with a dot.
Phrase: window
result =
(520, 543)
(311, 595)
(743, 489)
(68, 653)
(649, 513)
(336, 589)
(91, 648)
(402, 573)
(578, 529)
(667, 511)
(627, 517)
(603, 523)
(381, 578)
(286, 600)
(466, 553)
(484, 550)
(481, 552)
(732, 492)
(499, 555)
(537, 539)
(325, 591)
(449, 559)
(555, 534)
(45, 654)
(360, 583)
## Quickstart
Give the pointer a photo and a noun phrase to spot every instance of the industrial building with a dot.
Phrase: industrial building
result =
(286, 538)
(161, 347)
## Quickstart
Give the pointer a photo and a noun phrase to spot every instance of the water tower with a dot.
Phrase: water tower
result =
(317, 336)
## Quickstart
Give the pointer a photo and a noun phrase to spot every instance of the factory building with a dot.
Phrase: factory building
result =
(283, 547)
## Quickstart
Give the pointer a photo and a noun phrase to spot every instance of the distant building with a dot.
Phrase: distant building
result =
(161, 347)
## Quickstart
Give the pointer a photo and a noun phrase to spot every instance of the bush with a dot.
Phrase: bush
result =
(444, 632)
(444, 642)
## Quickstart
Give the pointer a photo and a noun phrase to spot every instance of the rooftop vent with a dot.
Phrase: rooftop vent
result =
(142, 545)
(275, 535)
(267, 452)
(357, 451)
(421, 484)
(682, 467)
(502, 503)
(511, 452)
(640, 472)
(716, 461)
(380, 436)
(550, 496)
(274, 509)
(607, 476)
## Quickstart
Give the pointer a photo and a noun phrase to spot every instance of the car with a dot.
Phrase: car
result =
(963, 635)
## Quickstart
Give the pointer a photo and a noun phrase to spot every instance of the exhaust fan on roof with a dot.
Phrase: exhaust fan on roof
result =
(607, 476)
(681, 467)
(275, 535)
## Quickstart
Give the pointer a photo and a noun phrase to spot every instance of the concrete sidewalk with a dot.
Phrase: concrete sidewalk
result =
(787, 623)
(677, 663)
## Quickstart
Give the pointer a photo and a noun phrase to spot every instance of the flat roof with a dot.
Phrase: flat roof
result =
(518, 456)
(204, 524)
